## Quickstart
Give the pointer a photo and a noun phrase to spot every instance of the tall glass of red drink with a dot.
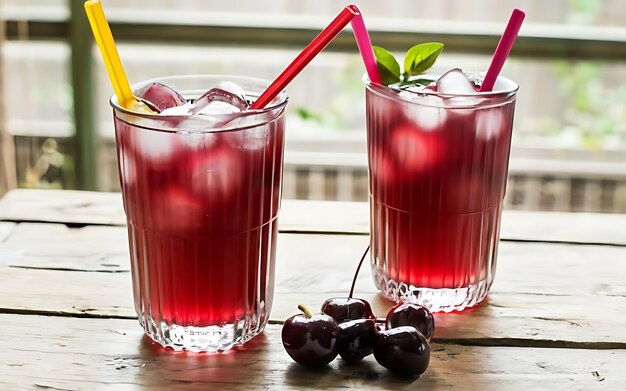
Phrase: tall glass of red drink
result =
(201, 196)
(438, 166)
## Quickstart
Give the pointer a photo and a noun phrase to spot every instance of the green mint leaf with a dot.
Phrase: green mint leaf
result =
(387, 66)
(421, 57)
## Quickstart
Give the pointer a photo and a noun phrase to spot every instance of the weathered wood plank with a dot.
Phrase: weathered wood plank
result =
(71, 354)
(505, 320)
(544, 294)
(55, 246)
(64, 206)
(594, 228)
(81, 208)
(326, 262)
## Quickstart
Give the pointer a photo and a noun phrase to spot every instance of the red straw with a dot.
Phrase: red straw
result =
(312, 50)
(502, 51)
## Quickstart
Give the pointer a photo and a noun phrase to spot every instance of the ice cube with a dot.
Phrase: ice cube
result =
(178, 210)
(460, 92)
(217, 101)
(489, 123)
(199, 140)
(217, 175)
(153, 145)
(233, 88)
(184, 109)
(253, 139)
(217, 108)
(415, 151)
(161, 96)
(429, 114)
(454, 82)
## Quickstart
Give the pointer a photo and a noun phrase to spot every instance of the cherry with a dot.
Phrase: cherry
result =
(402, 350)
(310, 339)
(347, 308)
(355, 339)
(410, 314)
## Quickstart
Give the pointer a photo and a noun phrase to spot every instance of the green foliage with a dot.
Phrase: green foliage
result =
(344, 110)
(589, 7)
(421, 57)
(308, 115)
(417, 60)
(594, 108)
(388, 67)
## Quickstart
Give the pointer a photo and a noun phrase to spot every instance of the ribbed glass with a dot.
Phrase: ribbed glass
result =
(201, 198)
(437, 175)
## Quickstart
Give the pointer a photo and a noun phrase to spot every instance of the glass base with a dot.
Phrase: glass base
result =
(200, 339)
(436, 300)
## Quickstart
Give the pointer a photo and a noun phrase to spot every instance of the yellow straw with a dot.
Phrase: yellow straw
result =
(104, 40)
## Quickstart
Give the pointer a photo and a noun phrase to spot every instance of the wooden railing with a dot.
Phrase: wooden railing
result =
(542, 183)
(536, 182)
(207, 28)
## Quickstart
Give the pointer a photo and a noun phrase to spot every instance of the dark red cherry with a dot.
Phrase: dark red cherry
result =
(402, 350)
(410, 314)
(347, 308)
(355, 339)
(309, 339)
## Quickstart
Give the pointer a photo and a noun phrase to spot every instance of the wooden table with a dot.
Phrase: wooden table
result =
(556, 317)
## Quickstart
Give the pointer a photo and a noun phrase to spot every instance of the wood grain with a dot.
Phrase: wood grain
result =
(555, 318)
(326, 262)
(63, 206)
(545, 294)
(73, 354)
(82, 208)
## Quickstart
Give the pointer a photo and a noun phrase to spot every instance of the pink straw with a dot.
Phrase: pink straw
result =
(317, 45)
(502, 51)
(365, 45)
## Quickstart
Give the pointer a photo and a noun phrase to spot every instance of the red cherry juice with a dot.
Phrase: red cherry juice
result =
(202, 213)
(437, 176)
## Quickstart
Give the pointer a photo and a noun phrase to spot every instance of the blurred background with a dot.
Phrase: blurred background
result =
(569, 148)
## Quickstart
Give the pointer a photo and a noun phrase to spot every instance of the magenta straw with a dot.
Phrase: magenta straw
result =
(365, 45)
(502, 51)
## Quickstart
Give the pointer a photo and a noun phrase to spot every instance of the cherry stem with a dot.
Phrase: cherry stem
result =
(356, 274)
(305, 310)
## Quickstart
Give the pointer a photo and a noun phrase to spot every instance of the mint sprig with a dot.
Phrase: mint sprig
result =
(417, 60)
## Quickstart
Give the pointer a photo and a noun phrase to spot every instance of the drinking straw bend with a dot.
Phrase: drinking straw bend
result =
(504, 48)
(365, 45)
(316, 46)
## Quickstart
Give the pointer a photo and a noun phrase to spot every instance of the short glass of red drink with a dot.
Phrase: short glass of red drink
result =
(201, 195)
(438, 167)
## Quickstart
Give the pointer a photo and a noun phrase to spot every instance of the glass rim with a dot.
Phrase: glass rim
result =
(500, 96)
(282, 98)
